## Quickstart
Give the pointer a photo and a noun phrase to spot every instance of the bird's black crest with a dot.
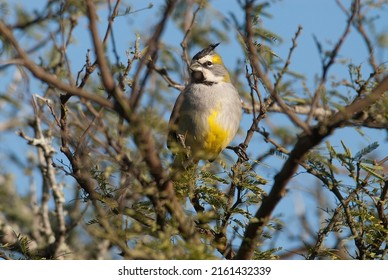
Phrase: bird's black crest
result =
(205, 52)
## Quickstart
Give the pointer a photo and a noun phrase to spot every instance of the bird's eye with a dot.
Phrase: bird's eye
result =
(209, 63)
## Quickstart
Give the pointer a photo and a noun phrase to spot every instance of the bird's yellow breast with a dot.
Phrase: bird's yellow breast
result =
(216, 137)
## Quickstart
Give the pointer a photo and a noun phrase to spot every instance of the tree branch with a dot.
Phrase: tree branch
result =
(150, 56)
(302, 147)
(332, 57)
(142, 134)
(42, 75)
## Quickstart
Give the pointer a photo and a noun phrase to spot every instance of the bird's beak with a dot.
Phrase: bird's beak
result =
(196, 66)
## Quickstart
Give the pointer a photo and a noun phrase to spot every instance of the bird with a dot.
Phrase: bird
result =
(207, 113)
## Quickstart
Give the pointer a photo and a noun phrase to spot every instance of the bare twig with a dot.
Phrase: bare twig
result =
(45, 153)
(359, 24)
(293, 117)
(188, 27)
(333, 55)
(288, 61)
(319, 113)
(168, 79)
(42, 75)
(253, 58)
(150, 56)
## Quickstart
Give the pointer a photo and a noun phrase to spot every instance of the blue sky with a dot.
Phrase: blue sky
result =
(320, 18)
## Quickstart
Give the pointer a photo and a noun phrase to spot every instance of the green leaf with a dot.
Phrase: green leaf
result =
(348, 152)
(364, 151)
(372, 171)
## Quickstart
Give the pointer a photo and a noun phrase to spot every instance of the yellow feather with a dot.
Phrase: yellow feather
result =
(216, 136)
(217, 59)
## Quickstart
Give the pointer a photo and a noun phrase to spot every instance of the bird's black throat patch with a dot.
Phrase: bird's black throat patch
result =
(197, 77)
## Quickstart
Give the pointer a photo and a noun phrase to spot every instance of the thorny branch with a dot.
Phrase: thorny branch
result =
(42, 75)
(333, 55)
(302, 147)
(142, 133)
(188, 28)
(305, 143)
(155, 183)
(45, 153)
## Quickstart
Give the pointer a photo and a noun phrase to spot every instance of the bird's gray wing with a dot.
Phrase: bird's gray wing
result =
(173, 123)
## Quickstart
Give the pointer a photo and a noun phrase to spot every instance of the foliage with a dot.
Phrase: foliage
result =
(97, 182)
